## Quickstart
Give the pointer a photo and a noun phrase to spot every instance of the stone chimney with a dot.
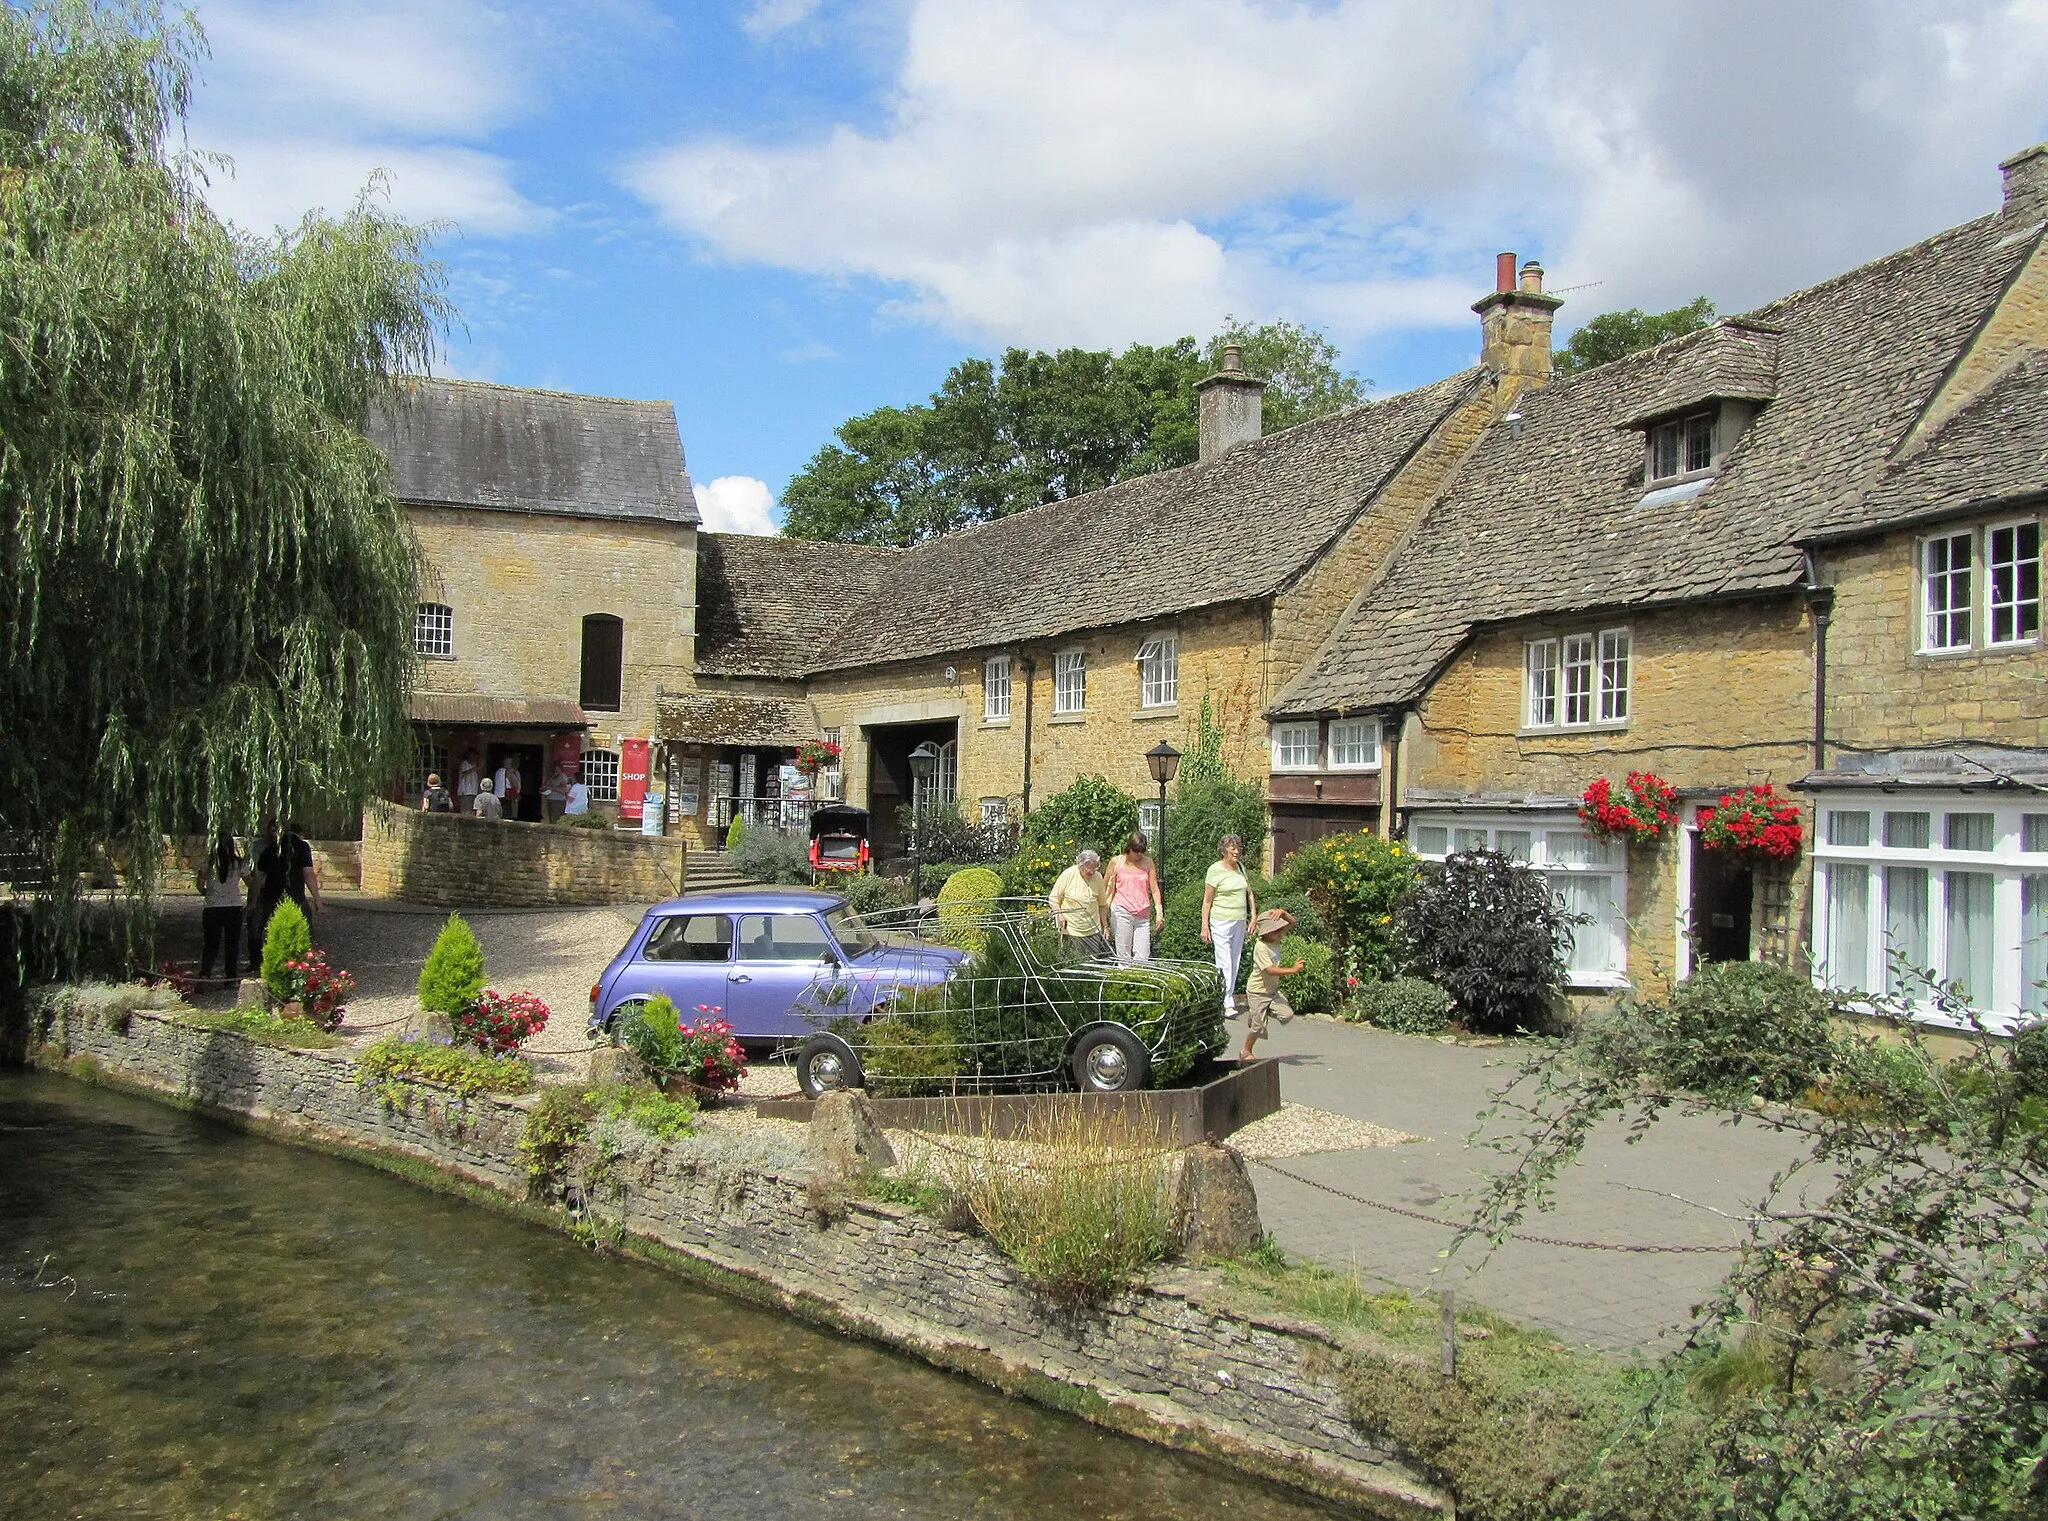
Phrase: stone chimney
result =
(1230, 403)
(2026, 184)
(1514, 328)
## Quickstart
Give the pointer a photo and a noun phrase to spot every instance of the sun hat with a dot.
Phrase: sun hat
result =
(1272, 921)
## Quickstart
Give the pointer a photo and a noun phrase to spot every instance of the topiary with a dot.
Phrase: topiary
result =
(288, 938)
(453, 978)
(1313, 989)
(964, 904)
(735, 831)
(1747, 1027)
(1487, 930)
(1406, 1005)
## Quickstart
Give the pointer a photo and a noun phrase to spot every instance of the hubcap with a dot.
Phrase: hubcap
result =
(1108, 1067)
(827, 1071)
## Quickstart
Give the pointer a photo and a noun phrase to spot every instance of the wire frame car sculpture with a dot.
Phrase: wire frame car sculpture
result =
(1022, 1013)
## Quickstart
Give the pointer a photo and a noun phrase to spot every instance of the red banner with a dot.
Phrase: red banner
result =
(569, 754)
(632, 779)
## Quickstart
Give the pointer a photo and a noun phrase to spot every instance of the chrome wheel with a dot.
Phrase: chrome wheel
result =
(825, 1064)
(1108, 1068)
(1110, 1060)
(827, 1071)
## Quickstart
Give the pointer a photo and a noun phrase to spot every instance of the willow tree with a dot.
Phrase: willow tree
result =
(207, 589)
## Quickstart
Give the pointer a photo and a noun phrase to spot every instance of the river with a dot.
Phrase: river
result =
(195, 1322)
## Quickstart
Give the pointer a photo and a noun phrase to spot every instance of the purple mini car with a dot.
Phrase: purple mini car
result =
(748, 955)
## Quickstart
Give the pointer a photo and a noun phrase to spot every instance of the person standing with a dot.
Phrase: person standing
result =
(1080, 900)
(508, 789)
(487, 805)
(466, 777)
(1228, 907)
(1135, 911)
(435, 799)
(288, 872)
(264, 848)
(555, 799)
(576, 801)
(221, 875)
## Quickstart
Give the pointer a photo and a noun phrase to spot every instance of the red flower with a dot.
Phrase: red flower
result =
(1644, 814)
(1754, 818)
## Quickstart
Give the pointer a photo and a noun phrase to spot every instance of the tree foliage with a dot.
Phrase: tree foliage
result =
(1485, 929)
(206, 588)
(998, 436)
(1611, 335)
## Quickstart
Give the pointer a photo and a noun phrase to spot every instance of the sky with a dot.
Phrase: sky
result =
(781, 213)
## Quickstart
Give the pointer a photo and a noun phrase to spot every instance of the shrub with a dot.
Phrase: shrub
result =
(1406, 1005)
(766, 856)
(1203, 811)
(587, 821)
(703, 1054)
(1182, 937)
(1031, 872)
(1354, 880)
(911, 1054)
(287, 939)
(453, 978)
(944, 832)
(735, 832)
(1313, 989)
(2028, 1056)
(1747, 1027)
(964, 904)
(1093, 813)
(869, 894)
(501, 1022)
(1486, 929)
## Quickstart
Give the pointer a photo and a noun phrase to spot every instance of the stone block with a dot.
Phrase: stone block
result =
(1218, 1203)
(844, 1138)
(251, 994)
(428, 1025)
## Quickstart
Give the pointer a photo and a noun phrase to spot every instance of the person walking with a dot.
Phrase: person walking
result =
(222, 873)
(1135, 911)
(1228, 907)
(1080, 900)
(1263, 996)
(487, 805)
(435, 799)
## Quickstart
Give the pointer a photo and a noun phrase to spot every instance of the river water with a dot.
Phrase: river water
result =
(195, 1322)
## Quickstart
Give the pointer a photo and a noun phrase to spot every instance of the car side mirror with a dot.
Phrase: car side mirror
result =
(830, 958)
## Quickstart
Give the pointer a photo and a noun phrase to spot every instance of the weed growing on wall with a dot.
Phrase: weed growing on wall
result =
(390, 1063)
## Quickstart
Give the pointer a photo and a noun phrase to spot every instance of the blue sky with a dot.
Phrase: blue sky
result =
(779, 213)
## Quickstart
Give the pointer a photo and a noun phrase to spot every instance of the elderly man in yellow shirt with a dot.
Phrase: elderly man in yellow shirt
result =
(1080, 898)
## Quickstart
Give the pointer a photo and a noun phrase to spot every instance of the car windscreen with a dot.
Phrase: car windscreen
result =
(853, 935)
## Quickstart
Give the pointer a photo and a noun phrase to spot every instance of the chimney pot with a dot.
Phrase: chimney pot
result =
(1233, 358)
(1504, 272)
(2026, 184)
(1532, 278)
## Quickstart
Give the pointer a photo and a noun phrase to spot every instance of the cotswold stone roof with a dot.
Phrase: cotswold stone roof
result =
(768, 606)
(460, 443)
(721, 718)
(1552, 517)
(1994, 449)
(1735, 360)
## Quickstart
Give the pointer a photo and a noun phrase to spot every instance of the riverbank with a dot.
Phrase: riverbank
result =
(1183, 1360)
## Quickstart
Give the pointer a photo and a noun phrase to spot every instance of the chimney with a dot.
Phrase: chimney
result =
(1229, 405)
(1514, 329)
(2026, 184)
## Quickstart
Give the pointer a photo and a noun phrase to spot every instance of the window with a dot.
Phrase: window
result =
(601, 775)
(942, 788)
(995, 689)
(1070, 681)
(1148, 819)
(1295, 747)
(1577, 681)
(428, 759)
(995, 812)
(1589, 877)
(781, 937)
(689, 937)
(2012, 569)
(1679, 448)
(1945, 592)
(829, 779)
(1355, 744)
(1159, 671)
(604, 648)
(433, 630)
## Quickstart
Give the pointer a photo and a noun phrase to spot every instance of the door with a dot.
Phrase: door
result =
(532, 779)
(1720, 908)
(777, 960)
(688, 957)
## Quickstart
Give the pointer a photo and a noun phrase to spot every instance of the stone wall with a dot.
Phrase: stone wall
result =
(451, 861)
(1176, 1362)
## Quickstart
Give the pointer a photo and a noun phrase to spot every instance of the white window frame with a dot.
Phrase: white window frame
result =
(1578, 680)
(1159, 671)
(433, 631)
(1569, 858)
(1361, 734)
(942, 788)
(1298, 746)
(1070, 682)
(2007, 863)
(2015, 604)
(1616, 655)
(600, 774)
(995, 689)
(1950, 611)
(1148, 819)
(1540, 683)
(831, 778)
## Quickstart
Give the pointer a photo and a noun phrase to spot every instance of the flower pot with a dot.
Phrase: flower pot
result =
(292, 1008)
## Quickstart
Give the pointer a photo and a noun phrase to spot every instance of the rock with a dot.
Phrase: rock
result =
(844, 1137)
(251, 994)
(429, 1025)
(614, 1064)
(1218, 1203)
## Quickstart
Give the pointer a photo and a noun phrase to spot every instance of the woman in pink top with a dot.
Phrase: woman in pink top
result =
(1134, 908)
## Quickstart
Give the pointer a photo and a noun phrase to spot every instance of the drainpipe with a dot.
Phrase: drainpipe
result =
(1030, 669)
(1391, 777)
(1820, 603)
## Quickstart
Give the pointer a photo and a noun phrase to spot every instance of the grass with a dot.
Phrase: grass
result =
(564, 1116)
(264, 1027)
(468, 1072)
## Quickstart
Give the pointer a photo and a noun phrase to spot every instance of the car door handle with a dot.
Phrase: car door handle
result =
(739, 977)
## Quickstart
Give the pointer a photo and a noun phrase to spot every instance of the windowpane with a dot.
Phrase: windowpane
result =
(1596, 943)
(995, 811)
(1159, 671)
(1294, 747)
(1967, 911)
(1906, 831)
(1070, 681)
(2034, 943)
(1849, 926)
(995, 687)
(2034, 833)
(1945, 590)
(690, 937)
(1542, 683)
(1578, 679)
(1664, 451)
(1513, 843)
(781, 937)
(2012, 562)
(1471, 839)
(604, 647)
(1432, 840)
(1905, 925)
(433, 629)
(1355, 744)
(1699, 441)
(1569, 847)
(1614, 656)
(1971, 831)
(1848, 828)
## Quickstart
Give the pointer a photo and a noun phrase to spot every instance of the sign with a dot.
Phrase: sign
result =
(722, 795)
(632, 779)
(650, 815)
(689, 787)
(569, 754)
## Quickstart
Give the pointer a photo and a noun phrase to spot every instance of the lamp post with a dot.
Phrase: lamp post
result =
(1164, 763)
(924, 760)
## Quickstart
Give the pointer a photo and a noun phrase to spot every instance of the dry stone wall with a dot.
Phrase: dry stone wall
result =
(1176, 1362)
(449, 861)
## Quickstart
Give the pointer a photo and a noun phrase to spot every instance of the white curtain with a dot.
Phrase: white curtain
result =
(1849, 926)
(1970, 949)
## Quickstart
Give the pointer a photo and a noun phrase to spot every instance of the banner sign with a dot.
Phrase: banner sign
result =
(632, 779)
(569, 754)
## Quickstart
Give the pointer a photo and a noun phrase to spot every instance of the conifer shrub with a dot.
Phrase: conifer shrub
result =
(735, 831)
(287, 939)
(453, 979)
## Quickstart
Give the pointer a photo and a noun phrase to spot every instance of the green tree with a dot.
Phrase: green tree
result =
(206, 587)
(286, 938)
(453, 978)
(1611, 335)
(998, 436)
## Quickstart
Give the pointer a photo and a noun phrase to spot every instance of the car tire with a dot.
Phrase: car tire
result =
(825, 1063)
(1110, 1060)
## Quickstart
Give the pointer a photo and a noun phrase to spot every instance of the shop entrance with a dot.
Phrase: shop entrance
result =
(889, 781)
(532, 778)
(1720, 908)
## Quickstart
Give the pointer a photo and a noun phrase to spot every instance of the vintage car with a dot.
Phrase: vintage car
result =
(839, 838)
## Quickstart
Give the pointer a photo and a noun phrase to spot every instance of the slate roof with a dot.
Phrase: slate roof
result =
(461, 443)
(1557, 520)
(721, 718)
(767, 606)
(1735, 360)
(1994, 449)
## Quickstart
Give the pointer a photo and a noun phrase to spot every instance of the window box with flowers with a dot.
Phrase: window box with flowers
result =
(1756, 820)
(1642, 811)
(816, 755)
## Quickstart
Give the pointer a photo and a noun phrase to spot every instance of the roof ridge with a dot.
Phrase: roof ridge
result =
(496, 385)
(1897, 255)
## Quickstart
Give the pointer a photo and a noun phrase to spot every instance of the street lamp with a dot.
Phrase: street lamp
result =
(1164, 763)
(924, 760)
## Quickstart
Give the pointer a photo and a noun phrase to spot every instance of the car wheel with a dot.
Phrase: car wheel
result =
(621, 1016)
(825, 1063)
(1110, 1060)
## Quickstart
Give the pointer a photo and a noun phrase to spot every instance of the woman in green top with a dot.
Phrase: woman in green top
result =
(1228, 907)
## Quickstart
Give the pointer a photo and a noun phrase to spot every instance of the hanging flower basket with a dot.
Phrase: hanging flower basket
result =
(815, 755)
(1645, 808)
(1757, 820)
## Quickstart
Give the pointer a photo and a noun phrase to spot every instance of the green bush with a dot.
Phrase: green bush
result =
(1182, 937)
(1094, 813)
(288, 938)
(1313, 989)
(2028, 1057)
(910, 1055)
(867, 894)
(1406, 1005)
(1486, 929)
(1354, 880)
(765, 856)
(1031, 872)
(1201, 814)
(1747, 1027)
(587, 821)
(735, 832)
(453, 978)
(964, 904)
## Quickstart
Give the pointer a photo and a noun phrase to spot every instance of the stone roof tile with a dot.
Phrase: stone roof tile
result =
(766, 607)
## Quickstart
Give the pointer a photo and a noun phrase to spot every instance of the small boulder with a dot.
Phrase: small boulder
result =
(1218, 1203)
(615, 1064)
(844, 1138)
(429, 1025)
(251, 994)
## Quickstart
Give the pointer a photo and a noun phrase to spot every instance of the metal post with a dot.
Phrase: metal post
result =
(1159, 845)
(1448, 1307)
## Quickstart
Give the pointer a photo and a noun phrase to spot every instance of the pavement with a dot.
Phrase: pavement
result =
(1664, 1190)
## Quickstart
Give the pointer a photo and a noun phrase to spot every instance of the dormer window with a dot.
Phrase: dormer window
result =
(1682, 447)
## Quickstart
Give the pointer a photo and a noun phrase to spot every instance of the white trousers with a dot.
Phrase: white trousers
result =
(1228, 934)
(1133, 934)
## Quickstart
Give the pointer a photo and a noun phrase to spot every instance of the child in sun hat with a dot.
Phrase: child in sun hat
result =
(1265, 995)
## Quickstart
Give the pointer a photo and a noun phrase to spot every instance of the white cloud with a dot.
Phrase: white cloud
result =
(737, 504)
(768, 18)
(1061, 170)
(277, 181)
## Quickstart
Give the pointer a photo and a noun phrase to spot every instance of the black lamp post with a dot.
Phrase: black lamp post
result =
(1164, 763)
(924, 760)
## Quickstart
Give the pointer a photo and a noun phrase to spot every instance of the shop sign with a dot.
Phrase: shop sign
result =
(569, 754)
(632, 779)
